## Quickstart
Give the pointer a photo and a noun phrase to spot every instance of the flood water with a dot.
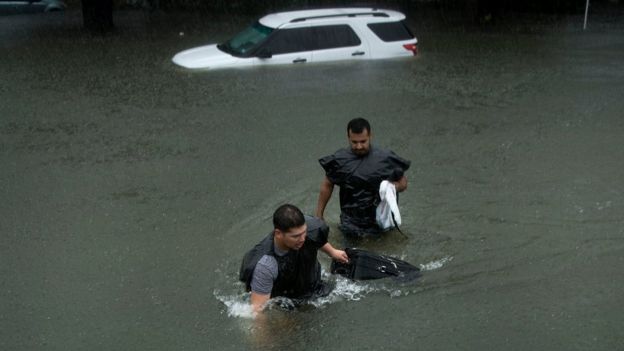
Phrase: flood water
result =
(131, 188)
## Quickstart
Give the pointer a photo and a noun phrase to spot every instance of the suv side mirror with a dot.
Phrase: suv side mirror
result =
(264, 53)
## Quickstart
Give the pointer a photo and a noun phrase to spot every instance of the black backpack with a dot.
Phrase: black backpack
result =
(366, 265)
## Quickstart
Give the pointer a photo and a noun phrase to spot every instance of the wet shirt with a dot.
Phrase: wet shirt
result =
(298, 272)
(266, 273)
(359, 178)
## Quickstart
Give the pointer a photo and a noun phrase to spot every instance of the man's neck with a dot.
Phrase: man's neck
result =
(280, 248)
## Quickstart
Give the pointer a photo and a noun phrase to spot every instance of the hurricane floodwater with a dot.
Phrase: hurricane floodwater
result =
(132, 188)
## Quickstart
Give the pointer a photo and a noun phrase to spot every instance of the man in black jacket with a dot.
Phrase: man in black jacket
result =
(284, 263)
(359, 170)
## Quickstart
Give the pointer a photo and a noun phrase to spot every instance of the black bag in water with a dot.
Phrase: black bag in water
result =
(366, 265)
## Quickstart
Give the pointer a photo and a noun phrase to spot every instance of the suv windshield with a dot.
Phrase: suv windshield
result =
(243, 42)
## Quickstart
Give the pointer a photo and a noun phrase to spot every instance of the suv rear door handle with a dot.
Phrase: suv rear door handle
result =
(358, 53)
(299, 60)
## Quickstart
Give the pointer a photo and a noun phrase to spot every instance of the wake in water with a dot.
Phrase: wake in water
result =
(437, 264)
(237, 304)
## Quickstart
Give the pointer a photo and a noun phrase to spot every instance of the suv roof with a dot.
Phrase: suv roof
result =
(276, 20)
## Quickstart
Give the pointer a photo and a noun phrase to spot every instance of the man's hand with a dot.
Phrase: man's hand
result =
(401, 184)
(338, 255)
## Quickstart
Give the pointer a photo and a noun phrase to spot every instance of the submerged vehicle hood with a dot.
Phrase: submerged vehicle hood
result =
(208, 56)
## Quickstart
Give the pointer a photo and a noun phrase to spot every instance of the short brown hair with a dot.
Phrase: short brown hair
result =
(288, 216)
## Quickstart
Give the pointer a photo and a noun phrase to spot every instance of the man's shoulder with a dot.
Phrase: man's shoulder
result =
(380, 151)
(266, 268)
(263, 247)
(267, 261)
(314, 223)
(317, 231)
(381, 154)
(341, 153)
(253, 256)
(338, 164)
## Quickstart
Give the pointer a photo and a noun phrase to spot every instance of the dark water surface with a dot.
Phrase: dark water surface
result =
(131, 188)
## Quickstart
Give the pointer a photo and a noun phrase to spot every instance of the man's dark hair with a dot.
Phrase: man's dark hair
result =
(287, 217)
(357, 126)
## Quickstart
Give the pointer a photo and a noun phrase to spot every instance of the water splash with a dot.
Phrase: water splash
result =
(437, 264)
(237, 305)
(345, 290)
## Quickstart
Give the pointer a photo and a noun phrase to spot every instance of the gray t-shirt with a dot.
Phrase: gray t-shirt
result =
(265, 273)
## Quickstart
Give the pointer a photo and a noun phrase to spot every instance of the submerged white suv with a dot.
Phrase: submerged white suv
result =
(309, 36)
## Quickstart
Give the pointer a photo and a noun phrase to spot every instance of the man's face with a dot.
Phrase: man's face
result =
(294, 238)
(360, 142)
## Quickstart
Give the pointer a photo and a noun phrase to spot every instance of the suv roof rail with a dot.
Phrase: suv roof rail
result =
(374, 14)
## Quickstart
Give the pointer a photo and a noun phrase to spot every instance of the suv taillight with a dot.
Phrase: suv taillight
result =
(411, 47)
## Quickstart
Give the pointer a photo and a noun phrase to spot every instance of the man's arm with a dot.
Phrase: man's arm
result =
(338, 255)
(327, 187)
(258, 301)
(264, 275)
(400, 184)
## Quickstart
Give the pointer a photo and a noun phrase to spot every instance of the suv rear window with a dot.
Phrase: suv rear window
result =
(391, 31)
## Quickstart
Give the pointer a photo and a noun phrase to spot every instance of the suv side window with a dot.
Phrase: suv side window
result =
(284, 41)
(291, 40)
(335, 36)
(391, 31)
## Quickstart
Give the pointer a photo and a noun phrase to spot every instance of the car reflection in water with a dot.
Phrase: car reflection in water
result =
(11, 7)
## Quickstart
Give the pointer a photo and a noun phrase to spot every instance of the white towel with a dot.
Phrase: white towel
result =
(387, 207)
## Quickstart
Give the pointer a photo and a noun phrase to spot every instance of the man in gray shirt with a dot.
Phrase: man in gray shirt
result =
(284, 263)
